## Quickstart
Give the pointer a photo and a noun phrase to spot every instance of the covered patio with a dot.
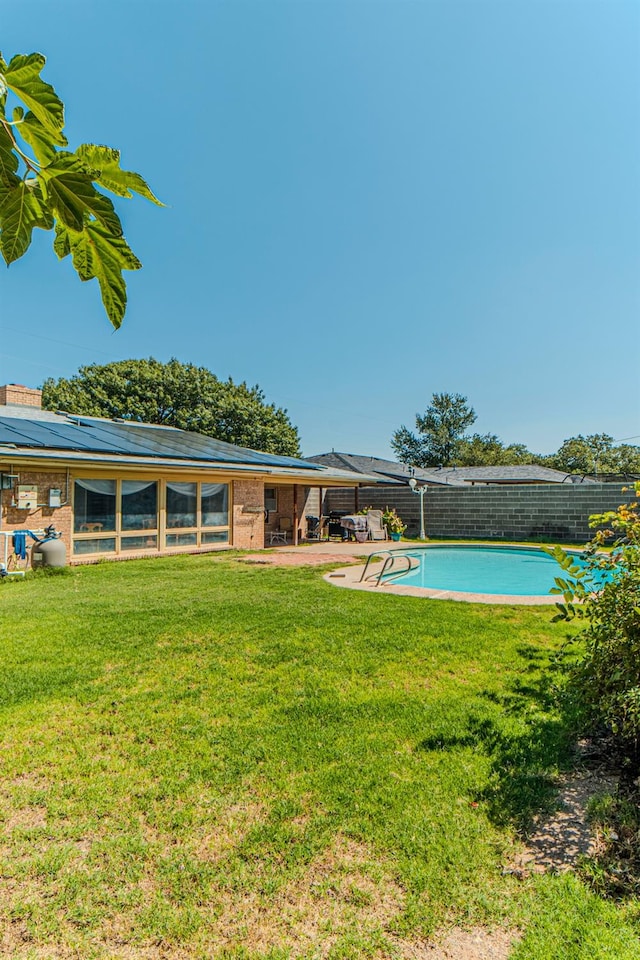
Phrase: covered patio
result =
(297, 514)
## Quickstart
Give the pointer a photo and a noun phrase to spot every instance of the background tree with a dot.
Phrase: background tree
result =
(440, 432)
(441, 439)
(177, 395)
(595, 454)
(489, 450)
(627, 458)
(44, 186)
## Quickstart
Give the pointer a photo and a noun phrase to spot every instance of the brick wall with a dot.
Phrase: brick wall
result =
(514, 511)
(16, 393)
(308, 502)
(247, 529)
(43, 516)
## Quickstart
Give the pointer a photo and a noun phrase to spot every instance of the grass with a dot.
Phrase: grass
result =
(203, 758)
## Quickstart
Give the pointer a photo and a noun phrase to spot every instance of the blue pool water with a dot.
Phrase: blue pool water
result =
(511, 571)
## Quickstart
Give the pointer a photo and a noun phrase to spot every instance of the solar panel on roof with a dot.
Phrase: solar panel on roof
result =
(104, 436)
(121, 438)
(183, 444)
(31, 433)
(157, 442)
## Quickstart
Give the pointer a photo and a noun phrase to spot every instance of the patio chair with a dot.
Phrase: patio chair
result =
(377, 529)
(280, 534)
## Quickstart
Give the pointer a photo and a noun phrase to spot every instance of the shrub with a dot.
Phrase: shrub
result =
(603, 589)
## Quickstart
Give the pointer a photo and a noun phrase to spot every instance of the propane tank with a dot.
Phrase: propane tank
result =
(50, 552)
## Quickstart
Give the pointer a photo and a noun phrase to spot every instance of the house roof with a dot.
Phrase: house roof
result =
(391, 472)
(385, 471)
(28, 432)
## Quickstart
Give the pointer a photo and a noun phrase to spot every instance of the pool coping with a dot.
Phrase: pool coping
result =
(349, 578)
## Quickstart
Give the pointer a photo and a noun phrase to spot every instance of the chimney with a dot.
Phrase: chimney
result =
(16, 393)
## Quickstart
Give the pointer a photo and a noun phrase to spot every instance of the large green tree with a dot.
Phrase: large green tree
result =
(177, 395)
(45, 185)
(439, 432)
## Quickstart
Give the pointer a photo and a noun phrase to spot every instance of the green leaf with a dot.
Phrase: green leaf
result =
(21, 210)
(62, 242)
(22, 76)
(104, 163)
(34, 134)
(73, 196)
(8, 160)
(562, 614)
(3, 85)
(96, 253)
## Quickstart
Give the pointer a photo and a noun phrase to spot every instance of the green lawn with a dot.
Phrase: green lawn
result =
(203, 758)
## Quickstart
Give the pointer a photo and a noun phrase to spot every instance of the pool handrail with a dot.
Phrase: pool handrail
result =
(390, 557)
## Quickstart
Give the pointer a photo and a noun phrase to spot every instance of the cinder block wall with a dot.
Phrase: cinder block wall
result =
(515, 511)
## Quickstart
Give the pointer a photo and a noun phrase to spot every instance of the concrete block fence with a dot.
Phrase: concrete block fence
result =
(558, 512)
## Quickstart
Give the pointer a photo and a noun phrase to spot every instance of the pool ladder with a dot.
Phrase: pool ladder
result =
(390, 558)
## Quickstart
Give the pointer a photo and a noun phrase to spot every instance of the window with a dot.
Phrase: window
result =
(214, 504)
(139, 505)
(94, 506)
(270, 498)
(216, 536)
(94, 545)
(118, 516)
(182, 539)
(193, 509)
(146, 542)
(182, 505)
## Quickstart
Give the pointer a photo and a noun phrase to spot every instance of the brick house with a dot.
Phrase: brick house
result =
(119, 489)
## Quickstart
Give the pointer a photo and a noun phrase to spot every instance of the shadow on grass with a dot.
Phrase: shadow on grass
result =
(529, 735)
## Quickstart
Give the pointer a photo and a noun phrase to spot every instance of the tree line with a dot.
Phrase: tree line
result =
(441, 438)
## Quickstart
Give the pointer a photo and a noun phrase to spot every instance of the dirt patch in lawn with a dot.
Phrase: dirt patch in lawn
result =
(476, 944)
(346, 892)
(558, 840)
(343, 891)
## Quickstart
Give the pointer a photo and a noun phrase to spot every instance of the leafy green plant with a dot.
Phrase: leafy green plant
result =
(392, 521)
(604, 590)
(44, 185)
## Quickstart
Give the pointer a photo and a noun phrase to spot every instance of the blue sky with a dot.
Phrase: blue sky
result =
(367, 203)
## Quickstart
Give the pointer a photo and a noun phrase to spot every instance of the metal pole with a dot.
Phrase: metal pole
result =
(421, 491)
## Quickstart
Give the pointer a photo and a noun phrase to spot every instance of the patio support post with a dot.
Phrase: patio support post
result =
(295, 514)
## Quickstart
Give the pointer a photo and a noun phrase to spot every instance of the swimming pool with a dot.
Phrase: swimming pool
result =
(494, 570)
(475, 573)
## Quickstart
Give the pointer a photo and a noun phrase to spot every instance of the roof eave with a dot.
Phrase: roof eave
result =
(310, 476)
